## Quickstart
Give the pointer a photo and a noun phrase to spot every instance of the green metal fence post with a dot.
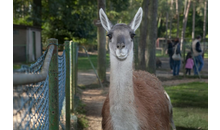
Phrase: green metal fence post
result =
(76, 68)
(53, 88)
(74, 71)
(67, 91)
(71, 69)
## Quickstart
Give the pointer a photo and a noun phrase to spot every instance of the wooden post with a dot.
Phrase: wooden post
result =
(101, 38)
(53, 89)
(67, 89)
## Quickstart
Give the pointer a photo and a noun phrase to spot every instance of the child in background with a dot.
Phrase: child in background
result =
(189, 63)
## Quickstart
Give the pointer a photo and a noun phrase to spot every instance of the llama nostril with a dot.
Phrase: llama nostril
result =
(120, 45)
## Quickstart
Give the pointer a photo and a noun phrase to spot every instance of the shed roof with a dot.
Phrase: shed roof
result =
(26, 27)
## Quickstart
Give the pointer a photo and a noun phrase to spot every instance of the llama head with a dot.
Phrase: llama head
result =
(121, 35)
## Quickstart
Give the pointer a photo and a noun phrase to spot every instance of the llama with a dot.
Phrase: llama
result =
(170, 111)
(136, 99)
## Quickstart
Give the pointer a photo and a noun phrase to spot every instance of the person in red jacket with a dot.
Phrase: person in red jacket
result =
(189, 63)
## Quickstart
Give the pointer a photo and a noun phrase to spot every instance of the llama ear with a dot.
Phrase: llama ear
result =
(135, 23)
(106, 24)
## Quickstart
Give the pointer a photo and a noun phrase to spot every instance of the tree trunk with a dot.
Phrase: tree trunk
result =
(177, 16)
(160, 25)
(101, 38)
(171, 18)
(204, 24)
(184, 27)
(167, 17)
(37, 6)
(193, 25)
(159, 21)
(170, 28)
(185, 7)
(143, 37)
(150, 46)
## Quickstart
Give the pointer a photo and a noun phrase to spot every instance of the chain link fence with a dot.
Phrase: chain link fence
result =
(40, 101)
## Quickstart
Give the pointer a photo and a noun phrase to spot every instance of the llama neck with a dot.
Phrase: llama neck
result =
(121, 95)
(121, 83)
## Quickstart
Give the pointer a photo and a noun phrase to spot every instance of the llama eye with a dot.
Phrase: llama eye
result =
(132, 35)
(110, 36)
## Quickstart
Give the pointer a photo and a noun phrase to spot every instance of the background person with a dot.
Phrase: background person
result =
(176, 63)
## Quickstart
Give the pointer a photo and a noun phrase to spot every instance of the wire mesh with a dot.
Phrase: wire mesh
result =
(31, 101)
(62, 82)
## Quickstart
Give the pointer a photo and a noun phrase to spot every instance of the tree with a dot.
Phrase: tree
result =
(69, 20)
(143, 37)
(193, 25)
(204, 22)
(177, 16)
(184, 26)
(152, 28)
(36, 16)
(161, 26)
(185, 7)
(101, 38)
(171, 18)
(164, 12)
(167, 17)
(22, 12)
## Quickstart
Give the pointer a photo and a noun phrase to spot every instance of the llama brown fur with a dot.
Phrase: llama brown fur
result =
(152, 105)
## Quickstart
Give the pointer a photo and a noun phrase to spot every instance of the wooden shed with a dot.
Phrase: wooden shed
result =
(27, 45)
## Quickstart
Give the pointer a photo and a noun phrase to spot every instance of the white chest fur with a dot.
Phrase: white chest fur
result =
(122, 110)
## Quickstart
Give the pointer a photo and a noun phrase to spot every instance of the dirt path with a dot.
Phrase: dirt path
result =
(94, 99)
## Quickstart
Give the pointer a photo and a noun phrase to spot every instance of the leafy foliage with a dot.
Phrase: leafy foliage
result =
(164, 6)
(69, 19)
(73, 19)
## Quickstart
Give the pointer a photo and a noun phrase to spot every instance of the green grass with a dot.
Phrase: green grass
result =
(206, 55)
(84, 64)
(90, 86)
(18, 65)
(82, 121)
(190, 102)
(159, 54)
(93, 85)
(162, 78)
